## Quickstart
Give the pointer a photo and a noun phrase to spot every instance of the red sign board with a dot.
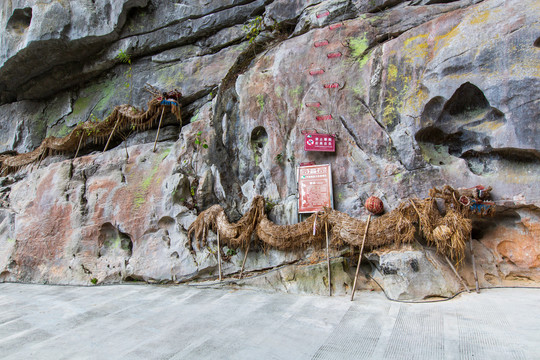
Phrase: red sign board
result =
(319, 142)
(314, 188)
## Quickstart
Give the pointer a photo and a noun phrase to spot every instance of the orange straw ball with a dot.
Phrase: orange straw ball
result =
(374, 205)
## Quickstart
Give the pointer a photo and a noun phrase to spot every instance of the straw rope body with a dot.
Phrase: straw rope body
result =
(122, 118)
(399, 226)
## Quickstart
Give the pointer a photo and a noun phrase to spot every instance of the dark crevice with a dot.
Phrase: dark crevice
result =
(430, 2)
(20, 20)
(385, 6)
(83, 201)
(433, 109)
(379, 40)
(528, 156)
(537, 43)
(138, 12)
(111, 239)
(193, 38)
(467, 98)
(525, 161)
(60, 54)
(351, 133)
(226, 106)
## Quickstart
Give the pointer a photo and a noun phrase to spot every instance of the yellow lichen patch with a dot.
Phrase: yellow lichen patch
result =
(418, 99)
(390, 109)
(441, 40)
(480, 17)
(486, 127)
(531, 69)
(392, 72)
(412, 39)
(415, 48)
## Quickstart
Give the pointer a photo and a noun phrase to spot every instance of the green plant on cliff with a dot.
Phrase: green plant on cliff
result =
(126, 59)
(269, 204)
(253, 28)
(199, 141)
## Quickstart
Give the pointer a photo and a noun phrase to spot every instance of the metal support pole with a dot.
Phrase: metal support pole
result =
(457, 274)
(158, 128)
(219, 255)
(360, 257)
(328, 259)
(474, 268)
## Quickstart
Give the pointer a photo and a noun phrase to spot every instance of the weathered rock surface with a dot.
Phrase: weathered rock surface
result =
(414, 274)
(429, 93)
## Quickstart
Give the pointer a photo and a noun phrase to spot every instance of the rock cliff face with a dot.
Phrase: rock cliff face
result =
(420, 94)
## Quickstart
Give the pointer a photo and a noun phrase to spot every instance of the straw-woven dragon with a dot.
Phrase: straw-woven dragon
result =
(448, 232)
(122, 118)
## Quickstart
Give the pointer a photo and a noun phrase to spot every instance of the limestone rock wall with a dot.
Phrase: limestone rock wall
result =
(428, 93)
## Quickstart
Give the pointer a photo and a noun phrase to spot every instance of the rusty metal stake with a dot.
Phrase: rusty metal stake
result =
(328, 259)
(249, 243)
(41, 158)
(158, 128)
(474, 268)
(360, 258)
(244, 261)
(458, 276)
(112, 133)
(219, 255)
(79, 147)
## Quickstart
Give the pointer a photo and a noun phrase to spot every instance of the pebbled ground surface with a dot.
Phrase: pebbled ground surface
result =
(184, 322)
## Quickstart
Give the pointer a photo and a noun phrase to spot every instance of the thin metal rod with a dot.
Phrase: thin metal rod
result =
(125, 147)
(328, 259)
(79, 147)
(474, 267)
(249, 243)
(158, 128)
(458, 276)
(112, 133)
(41, 158)
(244, 261)
(219, 255)
(360, 257)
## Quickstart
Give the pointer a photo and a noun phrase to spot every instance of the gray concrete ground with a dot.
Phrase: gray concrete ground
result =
(183, 322)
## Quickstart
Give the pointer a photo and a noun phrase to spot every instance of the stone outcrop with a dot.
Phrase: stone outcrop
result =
(428, 93)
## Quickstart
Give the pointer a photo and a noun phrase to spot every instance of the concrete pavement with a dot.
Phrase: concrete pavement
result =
(184, 322)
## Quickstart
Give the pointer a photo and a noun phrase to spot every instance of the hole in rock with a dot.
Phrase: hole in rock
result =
(4, 275)
(460, 124)
(258, 140)
(433, 109)
(431, 134)
(20, 20)
(522, 162)
(259, 137)
(537, 43)
(466, 99)
(166, 222)
(481, 226)
(113, 241)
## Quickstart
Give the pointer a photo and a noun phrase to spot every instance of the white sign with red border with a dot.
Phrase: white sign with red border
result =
(314, 188)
